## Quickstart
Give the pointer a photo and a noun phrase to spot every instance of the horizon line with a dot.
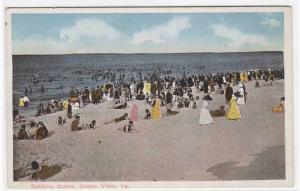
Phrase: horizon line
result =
(151, 53)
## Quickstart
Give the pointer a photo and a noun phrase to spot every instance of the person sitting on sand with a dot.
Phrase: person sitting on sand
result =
(207, 97)
(22, 135)
(180, 105)
(121, 106)
(39, 110)
(32, 123)
(257, 84)
(41, 132)
(148, 114)
(186, 102)
(75, 126)
(129, 127)
(61, 121)
(280, 108)
(44, 171)
(171, 113)
(140, 96)
(118, 119)
(219, 112)
(92, 125)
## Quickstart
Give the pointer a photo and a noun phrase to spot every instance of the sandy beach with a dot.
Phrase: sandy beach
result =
(174, 148)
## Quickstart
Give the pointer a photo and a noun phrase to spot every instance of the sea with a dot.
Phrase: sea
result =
(58, 73)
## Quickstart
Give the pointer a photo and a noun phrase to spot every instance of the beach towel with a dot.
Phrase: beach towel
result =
(134, 113)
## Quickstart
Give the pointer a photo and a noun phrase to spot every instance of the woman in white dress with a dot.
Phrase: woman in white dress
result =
(205, 116)
(241, 98)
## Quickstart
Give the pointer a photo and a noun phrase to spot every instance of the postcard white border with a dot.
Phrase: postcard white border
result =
(288, 65)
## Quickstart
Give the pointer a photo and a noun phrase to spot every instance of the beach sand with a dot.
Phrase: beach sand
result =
(175, 148)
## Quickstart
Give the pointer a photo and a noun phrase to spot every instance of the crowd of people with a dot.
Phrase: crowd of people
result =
(164, 91)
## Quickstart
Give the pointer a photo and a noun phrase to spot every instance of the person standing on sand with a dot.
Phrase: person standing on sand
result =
(156, 112)
(205, 116)
(134, 113)
(228, 92)
(69, 110)
(169, 98)
(241, 97)
(233, 112)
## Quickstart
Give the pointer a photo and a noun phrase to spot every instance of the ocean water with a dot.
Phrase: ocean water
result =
(77, 69)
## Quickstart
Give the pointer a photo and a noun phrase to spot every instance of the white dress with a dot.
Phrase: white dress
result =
(205, 116)
(241, 99)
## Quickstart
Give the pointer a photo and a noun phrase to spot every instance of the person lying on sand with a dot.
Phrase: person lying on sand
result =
(121, 106)
(118, 119)
(148, 114)
(44, 171)
(75, 125)
(219, 112)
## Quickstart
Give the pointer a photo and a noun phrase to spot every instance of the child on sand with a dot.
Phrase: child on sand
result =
(60, 121)
(129, 127)
(148, 114)
(92, 125)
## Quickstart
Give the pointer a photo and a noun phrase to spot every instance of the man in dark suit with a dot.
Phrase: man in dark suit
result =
(228, 92)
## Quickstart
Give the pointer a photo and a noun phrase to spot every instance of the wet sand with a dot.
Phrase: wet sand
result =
(174, 148)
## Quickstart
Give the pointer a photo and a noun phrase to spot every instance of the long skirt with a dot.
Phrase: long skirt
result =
(205, 117)
(233, 112)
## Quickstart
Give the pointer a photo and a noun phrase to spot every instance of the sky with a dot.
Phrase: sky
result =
(66, 33)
